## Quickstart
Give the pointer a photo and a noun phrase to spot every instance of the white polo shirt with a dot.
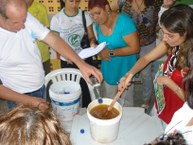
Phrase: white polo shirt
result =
(20, 60)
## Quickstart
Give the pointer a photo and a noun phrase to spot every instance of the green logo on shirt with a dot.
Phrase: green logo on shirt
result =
(74, 40)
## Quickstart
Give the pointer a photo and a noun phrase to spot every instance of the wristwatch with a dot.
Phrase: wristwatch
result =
(111, 53)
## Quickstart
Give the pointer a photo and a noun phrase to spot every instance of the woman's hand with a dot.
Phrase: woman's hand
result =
(104, 54)
(166, 81)
(125, 82)
(93, 45)
(162, 80)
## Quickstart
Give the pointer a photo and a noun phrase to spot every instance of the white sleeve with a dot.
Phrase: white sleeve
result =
(95, 25)
(38, 29)
(162, 10)
(54, 24)
(89, 20)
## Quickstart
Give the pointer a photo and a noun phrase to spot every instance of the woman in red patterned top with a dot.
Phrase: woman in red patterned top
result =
(176, 24)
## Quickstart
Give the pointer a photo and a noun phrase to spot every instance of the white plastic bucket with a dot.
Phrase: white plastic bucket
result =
(104, 131)
(65, 98)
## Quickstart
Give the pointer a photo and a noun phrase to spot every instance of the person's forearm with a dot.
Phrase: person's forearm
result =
(91, 36)
(125, 51)
(175, 88)
(63, 48)
(140, 64)
(10, 95)
(132, 47)
(156, 53)
(92, 41)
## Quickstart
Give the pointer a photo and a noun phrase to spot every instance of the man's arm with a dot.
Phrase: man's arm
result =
(11, 95)
(59, 45)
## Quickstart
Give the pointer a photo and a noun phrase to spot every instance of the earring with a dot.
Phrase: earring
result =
(109, 13)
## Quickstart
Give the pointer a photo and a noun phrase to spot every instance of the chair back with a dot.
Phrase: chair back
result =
(66, 74)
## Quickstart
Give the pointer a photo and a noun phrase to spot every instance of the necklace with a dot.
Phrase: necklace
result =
(107, 30)
(138, 10)
(108, 26)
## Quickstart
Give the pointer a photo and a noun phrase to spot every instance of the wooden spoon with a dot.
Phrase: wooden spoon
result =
(114, 101)
(119, 93)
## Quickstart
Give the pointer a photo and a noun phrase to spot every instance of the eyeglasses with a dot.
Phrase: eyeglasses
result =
(168, 35)
(95, 14)
(74, 0)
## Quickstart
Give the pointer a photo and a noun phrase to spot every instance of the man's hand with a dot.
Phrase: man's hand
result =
(88, 70)
(39, 103)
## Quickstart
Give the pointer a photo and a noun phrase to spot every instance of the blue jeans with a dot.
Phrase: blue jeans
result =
(146, 74)
(38, 93)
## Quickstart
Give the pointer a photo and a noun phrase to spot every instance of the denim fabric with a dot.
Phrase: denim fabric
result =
(146, 74)
(40, 93)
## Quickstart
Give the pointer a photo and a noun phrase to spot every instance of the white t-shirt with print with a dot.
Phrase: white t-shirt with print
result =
(179, 121)
(70, 29)
(20, 60)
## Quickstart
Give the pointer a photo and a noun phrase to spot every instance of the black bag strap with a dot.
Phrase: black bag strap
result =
(84, 22)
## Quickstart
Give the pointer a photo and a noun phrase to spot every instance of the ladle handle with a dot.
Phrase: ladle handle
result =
(115, 99)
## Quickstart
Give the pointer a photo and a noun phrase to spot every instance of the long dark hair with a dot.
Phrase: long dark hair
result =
(179, 19)
(62, 4)
(188, 80)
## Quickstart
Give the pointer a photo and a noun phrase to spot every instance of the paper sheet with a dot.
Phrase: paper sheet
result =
(88, 52)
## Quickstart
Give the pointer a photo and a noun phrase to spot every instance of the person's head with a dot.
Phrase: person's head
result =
(99, 10)
(177, 29)
(171, 139)
(72, 5)
(177, 24)
(30, 126)
(13, 14)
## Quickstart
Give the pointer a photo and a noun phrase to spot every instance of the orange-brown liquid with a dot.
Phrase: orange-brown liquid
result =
(101, 112)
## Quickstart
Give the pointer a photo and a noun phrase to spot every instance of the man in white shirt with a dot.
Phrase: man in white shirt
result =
(21, 70)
